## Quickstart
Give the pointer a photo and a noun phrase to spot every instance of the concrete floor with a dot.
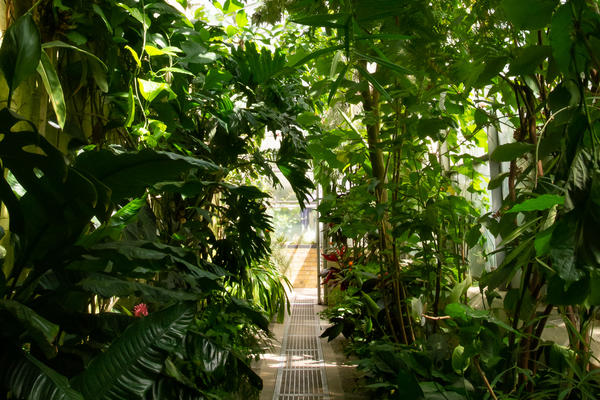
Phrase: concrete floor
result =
(342, 377)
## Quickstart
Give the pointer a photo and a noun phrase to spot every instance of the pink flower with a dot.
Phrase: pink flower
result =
(141, 310)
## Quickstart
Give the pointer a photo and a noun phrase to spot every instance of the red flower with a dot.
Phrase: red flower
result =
(330, 257)
(141, 310)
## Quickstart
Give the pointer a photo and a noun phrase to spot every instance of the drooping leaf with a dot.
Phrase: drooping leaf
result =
(511, 151)
(20, 51)
(369, 77)
(130, 108)
(53, 88)
(129, 174)
(128, 367)
(100, 13)
(316, 54)
(497, 181)
(336, 83)
(539, 203)
(561, 32)
(562, 249)
(333, 331)
(384, 63)
(59, 44)
(135, 56)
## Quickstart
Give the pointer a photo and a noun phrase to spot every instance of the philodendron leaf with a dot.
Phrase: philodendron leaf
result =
(542, 202)
(53, 88)
(20, 52)
(129, 174)
(129, 366)
(511, 151)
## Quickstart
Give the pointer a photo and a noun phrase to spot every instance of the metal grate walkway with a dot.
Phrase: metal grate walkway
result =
(302, 374)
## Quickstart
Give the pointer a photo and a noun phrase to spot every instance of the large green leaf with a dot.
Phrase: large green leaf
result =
(58, 202)
(20, 52)
(129, 174)
(528, 59)
(54, 88)
(115, 225)
(511, 151)
(561, 33)
(562, 249)
(128, 367)
(563, 293)
(28, 378)
(529, 14)
(539, 203)
(150, 89)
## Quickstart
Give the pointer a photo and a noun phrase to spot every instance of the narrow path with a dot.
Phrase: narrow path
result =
(301, 375)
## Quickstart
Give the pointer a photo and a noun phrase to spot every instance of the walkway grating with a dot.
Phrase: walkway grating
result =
(302, 374)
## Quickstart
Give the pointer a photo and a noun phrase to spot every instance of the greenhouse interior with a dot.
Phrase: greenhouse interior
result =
(299, 199)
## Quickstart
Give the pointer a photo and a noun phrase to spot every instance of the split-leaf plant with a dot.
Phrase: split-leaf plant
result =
(152, 199)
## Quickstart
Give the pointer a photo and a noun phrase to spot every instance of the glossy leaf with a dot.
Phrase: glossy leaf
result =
(129, 174)
(53, 88)
(511, 151)
(30, 379)
(20, 52)
(539, 203)
(60, 44)
(150, 89)
(127, 368)
(130, 108)
(562, 250)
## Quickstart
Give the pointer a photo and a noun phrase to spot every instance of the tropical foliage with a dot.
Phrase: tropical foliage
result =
(417, 93)
(133, 189)
(135, 195)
